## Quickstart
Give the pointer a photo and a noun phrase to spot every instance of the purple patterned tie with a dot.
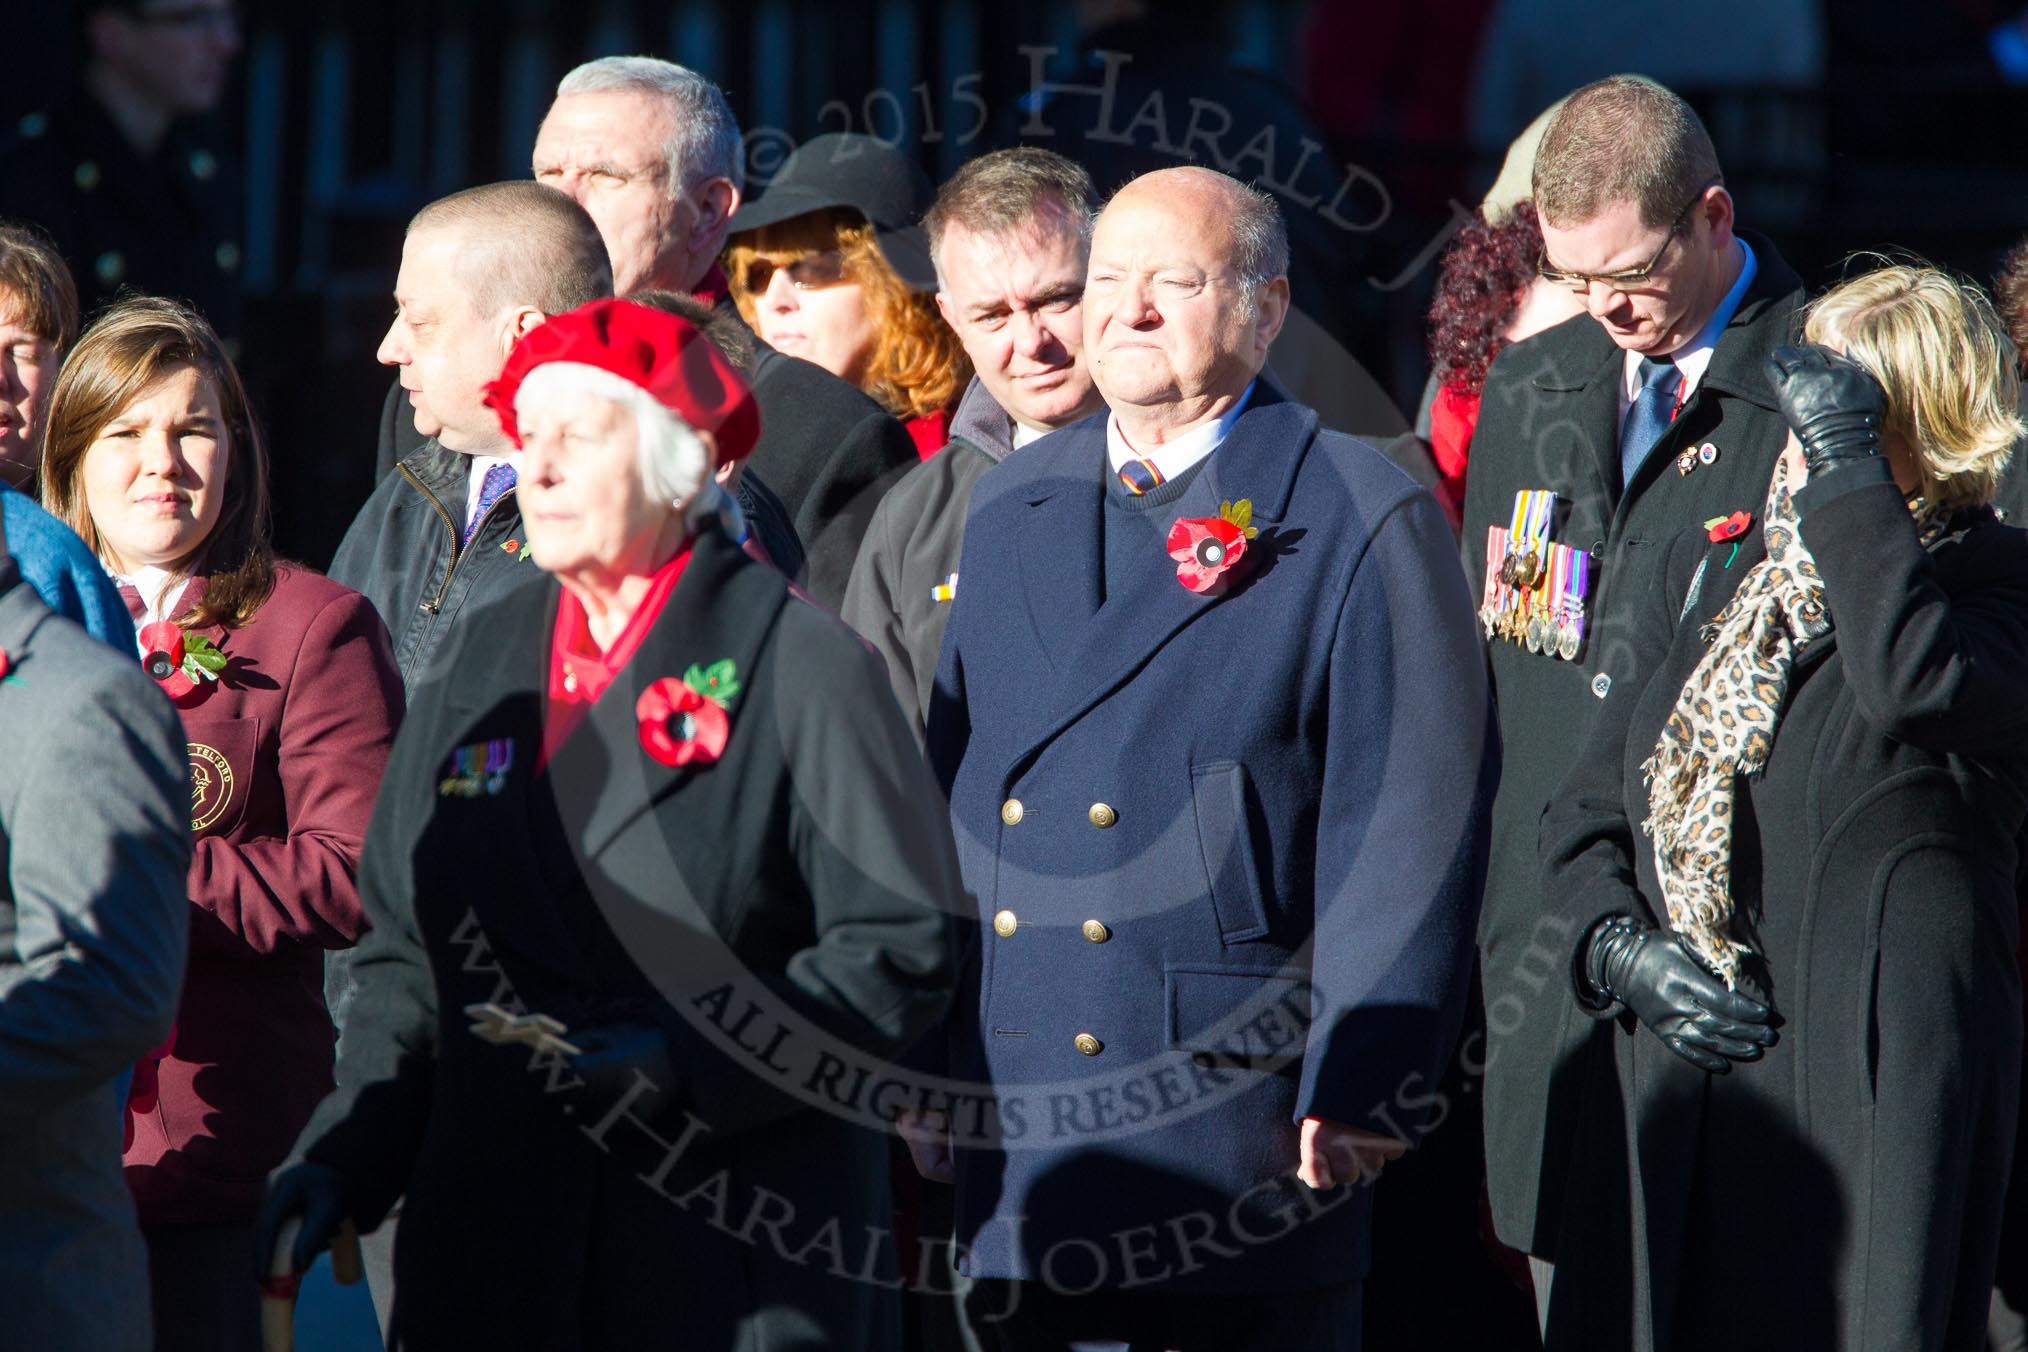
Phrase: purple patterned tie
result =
(498, 480)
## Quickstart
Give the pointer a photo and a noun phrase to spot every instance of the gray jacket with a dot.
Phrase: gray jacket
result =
(911, 549)
(95, 833)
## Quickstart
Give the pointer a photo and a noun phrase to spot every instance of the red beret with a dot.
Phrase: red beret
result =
(664, 355)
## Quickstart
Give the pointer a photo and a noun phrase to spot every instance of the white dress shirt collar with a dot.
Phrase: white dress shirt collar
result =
(1174, 457)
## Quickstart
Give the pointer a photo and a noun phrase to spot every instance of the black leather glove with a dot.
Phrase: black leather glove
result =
(1834, 404)
(317, 1193)
(1668, 990)
(610, 1053)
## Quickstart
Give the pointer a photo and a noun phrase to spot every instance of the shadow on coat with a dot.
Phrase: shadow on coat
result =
(1666, 1260)
(1433, 1282)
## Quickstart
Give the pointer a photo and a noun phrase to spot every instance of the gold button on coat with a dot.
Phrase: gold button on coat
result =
(1088, 1044)
(1010, 812)
(1004, 923)
(1096, 931)
(1102, 815)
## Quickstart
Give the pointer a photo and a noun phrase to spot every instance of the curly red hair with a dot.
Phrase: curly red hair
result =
(1480, 282)
(919, 367)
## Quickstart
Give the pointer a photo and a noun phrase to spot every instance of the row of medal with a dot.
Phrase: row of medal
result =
(1535, 590)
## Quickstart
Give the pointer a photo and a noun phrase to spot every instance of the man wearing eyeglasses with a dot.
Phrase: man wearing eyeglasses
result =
(1644, 417)
(651, 151)
(128, 175)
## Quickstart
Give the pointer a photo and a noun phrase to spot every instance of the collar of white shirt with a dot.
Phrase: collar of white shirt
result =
(1694, 356)
(476, 484)
(159, 590)
(1173, 457)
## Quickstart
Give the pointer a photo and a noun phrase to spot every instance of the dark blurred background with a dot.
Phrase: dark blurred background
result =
(1848, 126)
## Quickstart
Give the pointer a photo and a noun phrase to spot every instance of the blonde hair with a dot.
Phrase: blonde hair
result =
(918, 366)
(1938, 348)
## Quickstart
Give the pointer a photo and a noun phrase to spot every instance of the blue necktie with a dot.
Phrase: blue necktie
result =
(1648, 415)
(1140, 476)
(498, 480)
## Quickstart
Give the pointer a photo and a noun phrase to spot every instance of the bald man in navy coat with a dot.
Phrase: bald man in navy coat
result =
(1214, 725)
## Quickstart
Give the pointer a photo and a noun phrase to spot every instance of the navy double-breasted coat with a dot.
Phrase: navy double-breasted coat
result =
(1226, 855)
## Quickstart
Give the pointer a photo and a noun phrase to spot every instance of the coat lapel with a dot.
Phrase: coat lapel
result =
(499, 697)
(1143, 610)
(1062, 545)
(610, 779)
(1582, 376)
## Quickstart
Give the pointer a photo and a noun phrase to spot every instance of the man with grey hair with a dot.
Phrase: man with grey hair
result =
(1223, 829)
(1008, 235)
(650, 149)
(1643, 417)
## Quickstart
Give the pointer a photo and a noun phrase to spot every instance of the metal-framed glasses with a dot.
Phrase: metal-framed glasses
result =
(1631, 278)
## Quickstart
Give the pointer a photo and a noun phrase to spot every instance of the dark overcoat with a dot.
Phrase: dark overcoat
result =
(830, 453)
(1844, 1191)
(1226, 853)
(1550, 419)
(765, 911)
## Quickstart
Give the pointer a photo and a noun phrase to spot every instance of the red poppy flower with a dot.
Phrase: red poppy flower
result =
(163, 643)
(1205, 548)
(1731, 528)
(3, 664)
(678, 725)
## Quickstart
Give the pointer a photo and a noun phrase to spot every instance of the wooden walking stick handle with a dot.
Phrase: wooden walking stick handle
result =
(278, 1291)
(278, 1288)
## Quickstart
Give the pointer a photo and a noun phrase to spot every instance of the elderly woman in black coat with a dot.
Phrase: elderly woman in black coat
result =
(1787, 868)
(656, 879)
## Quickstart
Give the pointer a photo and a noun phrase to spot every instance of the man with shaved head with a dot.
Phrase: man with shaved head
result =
(1213, 724)
(441, 535)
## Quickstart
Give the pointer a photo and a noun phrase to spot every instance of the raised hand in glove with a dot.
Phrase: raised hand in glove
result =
(1834, 404)
(317, 1195)
(610, 1053)
(1668, 990)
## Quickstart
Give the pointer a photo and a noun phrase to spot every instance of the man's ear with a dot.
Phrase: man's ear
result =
(520, 319)
(716, 199)
(944, 309)
(1717, 210)
(1271, 310)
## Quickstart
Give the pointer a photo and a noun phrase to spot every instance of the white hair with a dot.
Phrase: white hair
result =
(704, 140)
(670, 457)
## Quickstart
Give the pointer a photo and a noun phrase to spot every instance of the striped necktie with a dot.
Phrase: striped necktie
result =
(1140, 476)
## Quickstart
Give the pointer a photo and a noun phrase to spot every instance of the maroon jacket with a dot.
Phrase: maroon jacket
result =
(286, 753)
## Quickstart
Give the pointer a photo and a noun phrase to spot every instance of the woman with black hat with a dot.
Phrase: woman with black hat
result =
(657, 848)
(830, 265)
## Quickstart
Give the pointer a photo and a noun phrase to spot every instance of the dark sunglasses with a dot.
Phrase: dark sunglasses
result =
(811, 272)
(1632, 278)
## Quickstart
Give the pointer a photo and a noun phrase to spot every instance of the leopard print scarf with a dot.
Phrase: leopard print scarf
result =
(1723, 727)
